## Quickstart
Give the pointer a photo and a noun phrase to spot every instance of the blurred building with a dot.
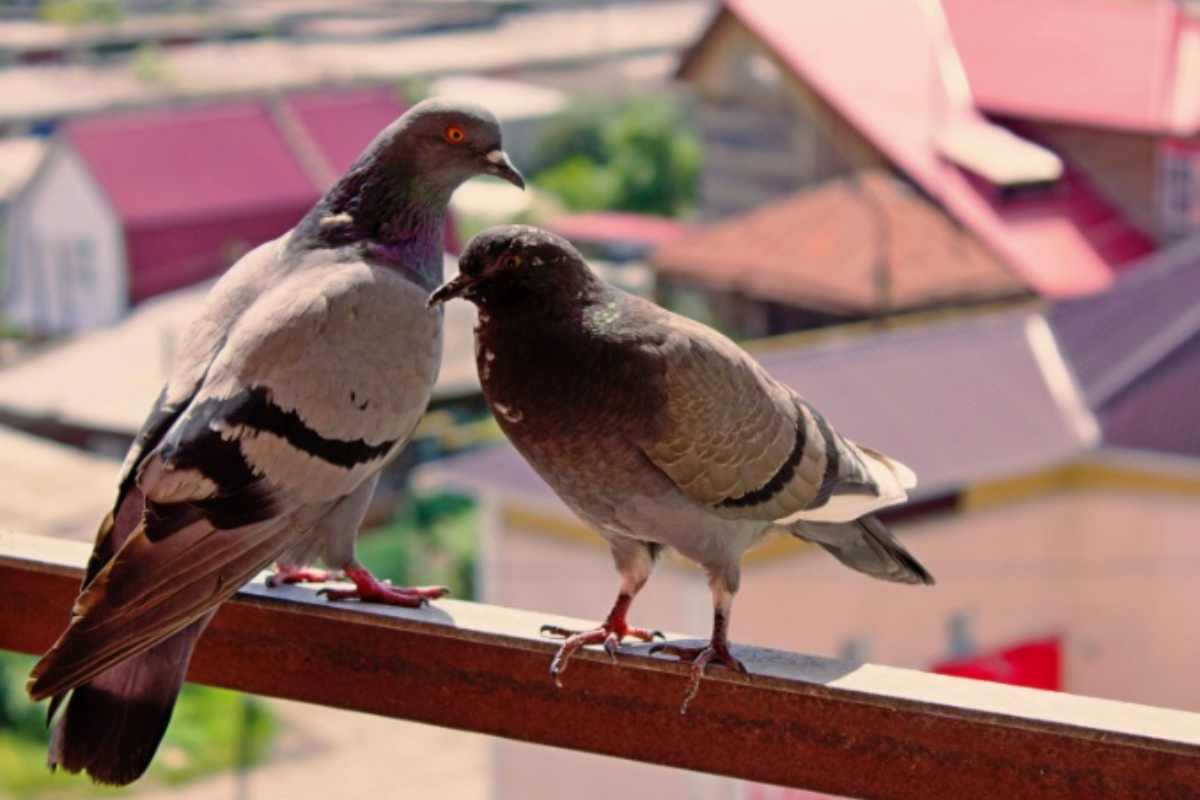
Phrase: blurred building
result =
(51, 489)
(850, 249)
(320, 45)
(1014, 121)
(129, 206)
(1113, 87)
(19, 159)
(1135, 353)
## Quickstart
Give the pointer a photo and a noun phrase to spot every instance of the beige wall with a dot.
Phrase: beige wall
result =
(765, 134)
(1113, 571)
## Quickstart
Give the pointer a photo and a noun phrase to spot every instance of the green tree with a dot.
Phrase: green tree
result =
(642, 156)
(78, 12)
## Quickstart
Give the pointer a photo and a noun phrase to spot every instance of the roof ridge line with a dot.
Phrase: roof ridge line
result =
(300, 143)
(1144, 358)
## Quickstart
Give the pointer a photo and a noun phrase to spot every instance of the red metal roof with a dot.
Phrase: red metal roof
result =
(1109, 63)
(876, 63)
(195, 186)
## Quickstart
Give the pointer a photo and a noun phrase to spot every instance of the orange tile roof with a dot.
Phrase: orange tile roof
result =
(818, 250)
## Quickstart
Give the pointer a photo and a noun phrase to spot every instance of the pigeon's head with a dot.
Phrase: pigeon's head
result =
(447, 142)
(516, 264)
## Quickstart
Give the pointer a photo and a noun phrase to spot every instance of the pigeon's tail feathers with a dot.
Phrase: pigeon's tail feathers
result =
(112, 725)
(151, 590)
(905, 477)
(865, 545)
(888, 479)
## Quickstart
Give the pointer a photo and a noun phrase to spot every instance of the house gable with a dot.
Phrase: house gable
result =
(66, 254)
(887, 82)
(766, 133)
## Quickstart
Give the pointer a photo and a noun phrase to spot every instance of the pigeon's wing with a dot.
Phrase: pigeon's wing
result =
(235, 480)
(198, 347)
(736, 440)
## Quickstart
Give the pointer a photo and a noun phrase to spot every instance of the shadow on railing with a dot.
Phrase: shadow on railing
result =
(795, 720)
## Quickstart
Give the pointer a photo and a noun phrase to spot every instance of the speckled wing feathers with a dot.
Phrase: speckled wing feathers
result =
(739, 442)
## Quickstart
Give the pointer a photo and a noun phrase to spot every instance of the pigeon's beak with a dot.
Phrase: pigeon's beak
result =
(500, 165)
(450, 289)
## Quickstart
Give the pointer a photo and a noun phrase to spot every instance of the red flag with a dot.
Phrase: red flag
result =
(1036, 663)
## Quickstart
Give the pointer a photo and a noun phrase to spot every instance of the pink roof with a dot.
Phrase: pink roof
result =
(172, 164)
(882, 77)
(1110, 63)
(195, 186)
(617, 227)
(343, 123)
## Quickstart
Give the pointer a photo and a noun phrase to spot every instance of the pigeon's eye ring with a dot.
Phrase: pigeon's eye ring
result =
(511, 262)
(455, 134)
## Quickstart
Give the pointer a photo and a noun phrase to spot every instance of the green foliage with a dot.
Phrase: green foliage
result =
(150, 64)
(576, 132)
(641, 156)
(211, 730)
(431, 541)
(582, 184)
(78, 12)
(415, 89)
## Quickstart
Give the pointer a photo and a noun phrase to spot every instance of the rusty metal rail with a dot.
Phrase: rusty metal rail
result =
(861, 731)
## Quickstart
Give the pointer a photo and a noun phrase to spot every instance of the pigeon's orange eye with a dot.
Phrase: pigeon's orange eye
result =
(512, 262)
(455, 135)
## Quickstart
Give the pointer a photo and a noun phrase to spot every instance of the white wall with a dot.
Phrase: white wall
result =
(66, 269)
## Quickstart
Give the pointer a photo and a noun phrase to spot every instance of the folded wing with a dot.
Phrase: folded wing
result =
(736, 440)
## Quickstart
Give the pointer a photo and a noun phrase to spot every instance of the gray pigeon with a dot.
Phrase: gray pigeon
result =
(308, 369)
(660, 432)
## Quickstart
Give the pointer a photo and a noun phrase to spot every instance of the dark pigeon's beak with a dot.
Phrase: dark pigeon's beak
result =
(499, 164)
(451, 289)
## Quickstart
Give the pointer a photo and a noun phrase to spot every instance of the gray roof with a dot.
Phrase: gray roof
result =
(1135, 350)
(960, 402)
(1110, 339)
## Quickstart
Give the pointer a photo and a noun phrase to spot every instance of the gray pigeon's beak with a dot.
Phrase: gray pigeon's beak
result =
(499, 164)
(450, 289)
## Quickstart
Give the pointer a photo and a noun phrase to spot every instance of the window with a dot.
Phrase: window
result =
(1178, 192)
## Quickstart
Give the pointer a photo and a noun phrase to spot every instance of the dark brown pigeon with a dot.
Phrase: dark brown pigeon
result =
(306, 373)
(661, 432)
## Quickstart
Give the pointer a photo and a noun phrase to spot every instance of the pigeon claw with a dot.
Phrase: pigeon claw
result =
(369, 589)
(700, 657)
(609, 635)
(407, 597)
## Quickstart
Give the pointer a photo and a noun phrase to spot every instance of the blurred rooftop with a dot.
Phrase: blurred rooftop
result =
(19, 158)
(574, 35)
(854, 228)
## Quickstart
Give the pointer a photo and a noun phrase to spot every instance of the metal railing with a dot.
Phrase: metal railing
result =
(800, 721)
